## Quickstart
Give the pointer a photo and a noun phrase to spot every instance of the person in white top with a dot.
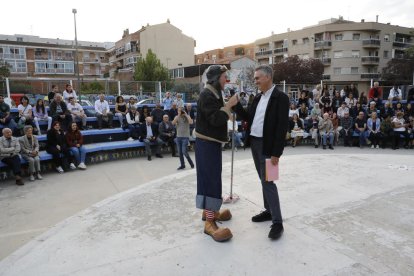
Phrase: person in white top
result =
(342, 110)
(25, 113)
(395, 94)
(69, 92)
(400, 128)
(77, 112)
(103, 112)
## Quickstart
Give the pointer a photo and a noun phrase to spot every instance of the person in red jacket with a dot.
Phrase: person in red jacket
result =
(375, 94)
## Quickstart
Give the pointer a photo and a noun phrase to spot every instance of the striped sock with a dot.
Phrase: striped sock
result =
(209, 215)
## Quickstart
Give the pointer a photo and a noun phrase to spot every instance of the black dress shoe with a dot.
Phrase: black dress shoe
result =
(276, 231)
(149, 158)
(159, 155)
(181, 168)
(263, 216)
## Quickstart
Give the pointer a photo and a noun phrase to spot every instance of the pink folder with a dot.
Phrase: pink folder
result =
(272, 171)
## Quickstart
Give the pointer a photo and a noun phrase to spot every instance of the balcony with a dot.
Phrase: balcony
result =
(325, 61)
(326, 77)
(90, 60)
(54, 71)
(370, 60)
(319, 45)
(264, 53)
(371, 43)
(280, 51)
(370, 76)
(401, 44)
(41, 57)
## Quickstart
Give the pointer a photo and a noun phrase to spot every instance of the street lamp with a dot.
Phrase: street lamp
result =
(74, 11)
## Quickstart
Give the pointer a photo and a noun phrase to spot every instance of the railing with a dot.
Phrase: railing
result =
(264, 53)
(371, 42)
(399, 44)
(54, 71)
(322, 44)
(325, 60)
(370, 76)
(12, 56)
(280, 50)
(370, 59)
(91, 60)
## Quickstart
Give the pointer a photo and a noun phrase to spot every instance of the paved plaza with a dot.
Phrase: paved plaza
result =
(346, 212)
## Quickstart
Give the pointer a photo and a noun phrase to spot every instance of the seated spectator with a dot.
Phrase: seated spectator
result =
(121, 110)
(303, 100)
(25, 113)
(134, 125)
(59, 111)
(375, 94)
(303, 112)
(51, 94)
(316, 111)
(386, 110)
(347, 125)
(293, 110)
(387, 131)
(316, 92)
(399, 108)
(103, 112)
(336, 102)
(395, 94)
(144, 114)
(40, 114)
(409, 113)
(149, 134)
(69, 93)
(132, 101)
(182, 123)
(372, 109)
(326, 130)
(325, 100)
(56, 146)
(341, 110)
(336, 127)
(74, 140)
(313, 129)
(235, 135)
(327, 108)
(6, 121)
(29, 149)
(354, 91)
(360, 128)
(363, 99)
(77, 112)
(179, 101)
(400, 128)
(374, 130)
(350, 101)
(358, 109)
(167, 132)
(157, 114)
(173, 112)
(9, 154)
(295, 129)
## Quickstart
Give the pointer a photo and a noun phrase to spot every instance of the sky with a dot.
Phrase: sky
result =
(213, 23)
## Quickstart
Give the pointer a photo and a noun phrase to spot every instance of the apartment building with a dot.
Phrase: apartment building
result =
(172, 47)
(350, 51)
(35, 57)
(226, 55)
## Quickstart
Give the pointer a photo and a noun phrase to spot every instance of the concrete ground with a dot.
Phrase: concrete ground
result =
(347, 212)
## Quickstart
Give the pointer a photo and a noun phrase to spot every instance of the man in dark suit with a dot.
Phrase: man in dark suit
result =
(149, 135)
(268, 119)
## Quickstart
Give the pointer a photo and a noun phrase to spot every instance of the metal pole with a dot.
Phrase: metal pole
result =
(284, 86)
(372, 83)
(76, 53)
(159, 86)
(8, 88)
(232, 157)
(119, 88)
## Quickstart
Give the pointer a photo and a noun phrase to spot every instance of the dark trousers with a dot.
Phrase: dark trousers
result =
(269, 188)
(13, 163)
(209, 185)
(65, 122)
(375, 138)
(347, 136)
(397, 134)
(170, 142)
(58, 159)
(109, 117)
(134, 130)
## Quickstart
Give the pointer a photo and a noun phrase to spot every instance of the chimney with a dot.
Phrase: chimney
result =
(377, 18)
(362, 20)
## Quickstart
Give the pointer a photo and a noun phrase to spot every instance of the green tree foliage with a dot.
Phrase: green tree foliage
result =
(400, 71)
(149, 70)
(296, 70)
(4, 70)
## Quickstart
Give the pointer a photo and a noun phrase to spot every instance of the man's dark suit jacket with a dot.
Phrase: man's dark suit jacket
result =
(143, 131)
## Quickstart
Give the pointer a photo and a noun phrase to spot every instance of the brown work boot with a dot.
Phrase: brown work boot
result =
(222, 215)
(218, 234)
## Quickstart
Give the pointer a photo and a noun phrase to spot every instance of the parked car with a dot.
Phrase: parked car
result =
(147, 102)
(88, 107)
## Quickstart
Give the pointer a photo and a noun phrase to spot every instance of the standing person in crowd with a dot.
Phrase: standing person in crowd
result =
(59, 111)
(9, 154)
(374, 130)
(77, 112)
(269, 122)
(51, 94)
(182, 123)
(211, 133)
(360, 128)
(167, 132)
(395, 94)
(69, 93)
(74, 140)
(134, 125)
(190, 111)
(6, 121)
(400, 128)
(25, 113)
(375, 94)
(149, 135)
(29, 146)
(179, 101)
(326, 130)
(40, 114)
(167, 101)
(56, 146)
(121, 109)
(103, 112)
(336, 102)
(157, 114)
(347, 124)
(354, 91)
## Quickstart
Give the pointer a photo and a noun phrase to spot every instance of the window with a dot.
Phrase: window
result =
(354, 70)
(305, 40)
(338, 37)
(338, 54)
(294, 42)
(239, 51)
(387, 38)
(356, 36)
(355, 54)
(337, 71)
(19, 39)
(386, 54)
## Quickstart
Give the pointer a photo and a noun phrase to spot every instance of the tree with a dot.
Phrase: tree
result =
(296, 70)
(400, 71)
(4, 70)
(149, 70)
